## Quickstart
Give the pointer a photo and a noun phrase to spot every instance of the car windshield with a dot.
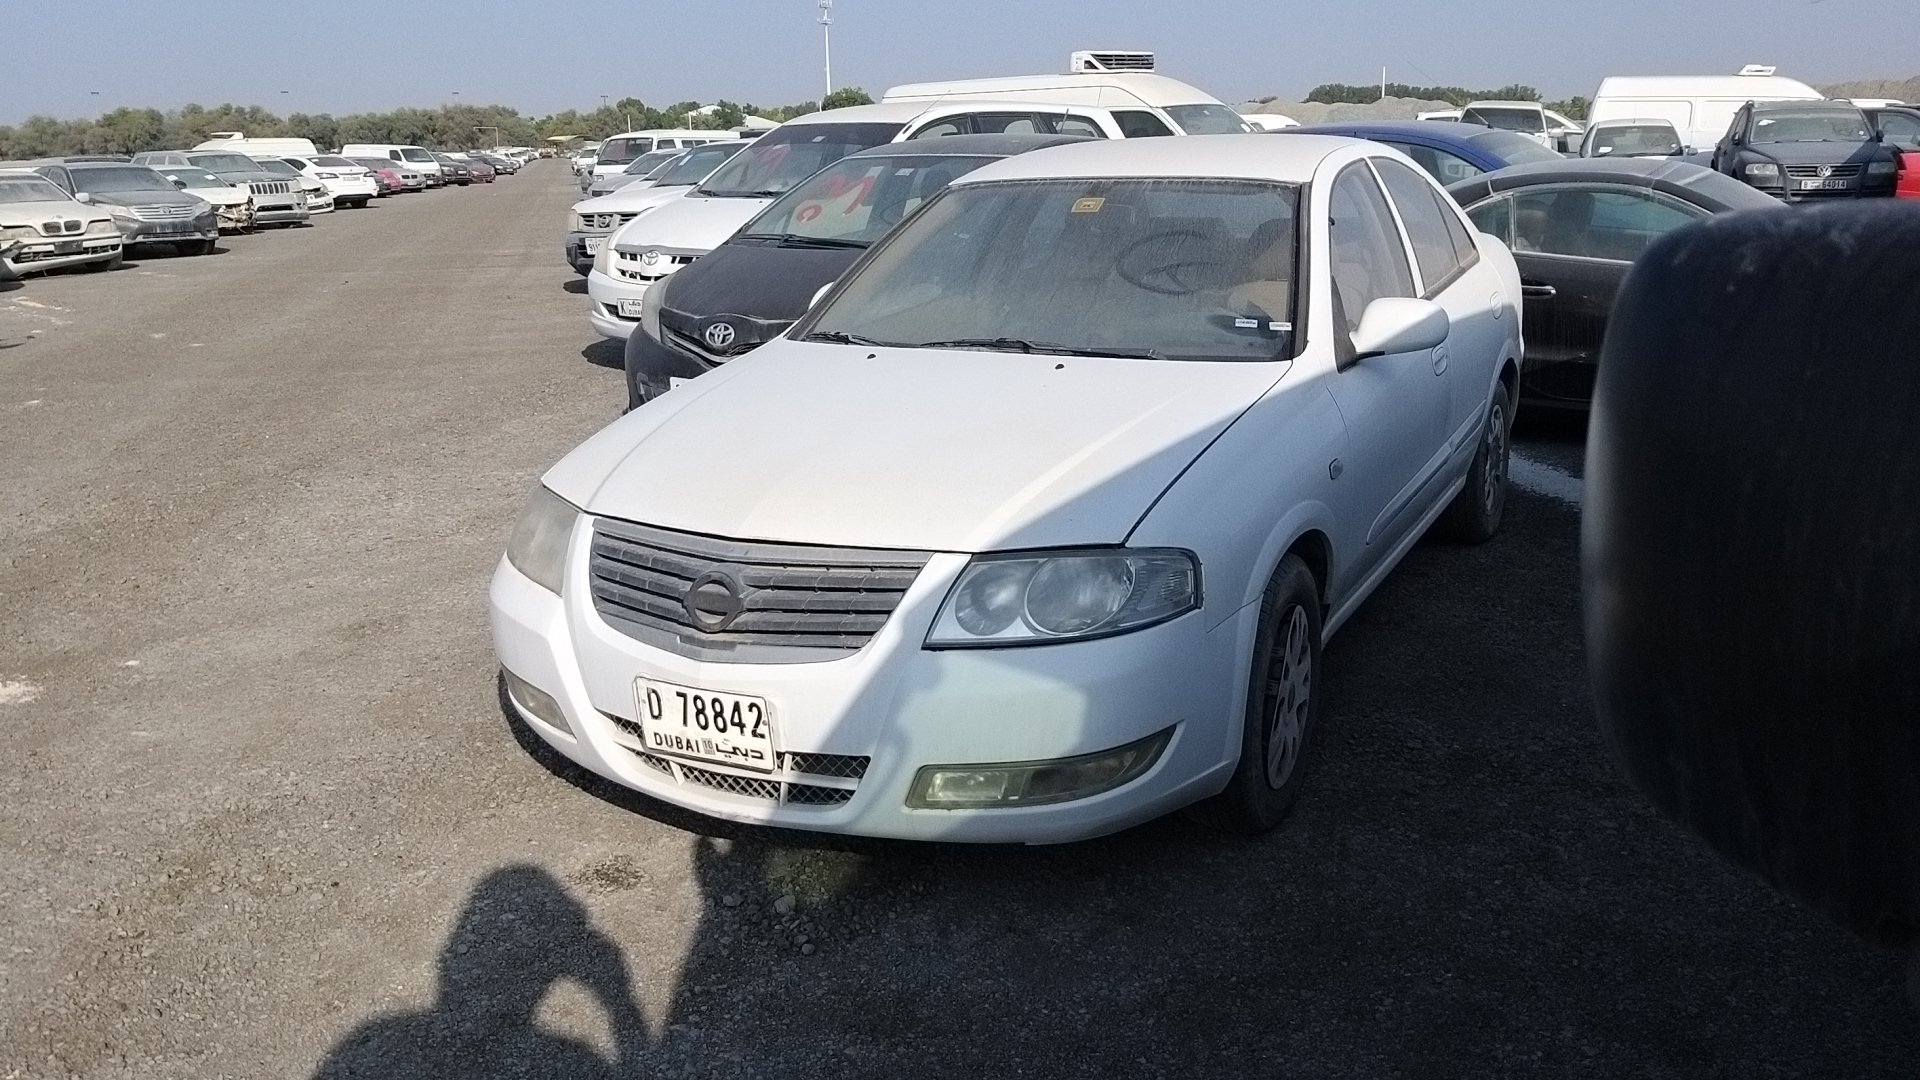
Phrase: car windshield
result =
(123, 178)
(621, 151)
(26, 189)
(1136, 268)
(333, 162)
(374, 163)
(1810, 125)
(647, 163)
(1508, 119)
(414, 153)
(1634, 140)
(195, 177)
(697, 164)
(1207, 119)
(785, 156)
(856, 200)
(278, 166)
(1512, 148)
(225, 163)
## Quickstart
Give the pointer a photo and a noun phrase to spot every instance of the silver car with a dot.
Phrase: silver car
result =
(276, 199)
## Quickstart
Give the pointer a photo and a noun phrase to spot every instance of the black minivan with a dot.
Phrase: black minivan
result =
(748, 290)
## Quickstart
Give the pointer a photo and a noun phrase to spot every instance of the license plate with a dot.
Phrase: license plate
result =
(1823, 185)
(706, 725)
(630, 308)
(592, 244)
(66, 247)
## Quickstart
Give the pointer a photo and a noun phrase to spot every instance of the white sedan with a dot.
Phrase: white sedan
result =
(348, 183)
(1034, 527)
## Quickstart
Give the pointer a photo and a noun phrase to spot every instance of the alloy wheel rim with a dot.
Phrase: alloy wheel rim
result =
(1496, 445)
(1289, 692)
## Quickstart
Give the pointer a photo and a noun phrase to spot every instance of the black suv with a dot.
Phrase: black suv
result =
(1797, 150)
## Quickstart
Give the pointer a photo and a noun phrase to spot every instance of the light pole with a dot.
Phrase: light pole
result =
(826, 40)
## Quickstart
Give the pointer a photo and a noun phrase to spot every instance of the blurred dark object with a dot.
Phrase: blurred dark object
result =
(1752, 549)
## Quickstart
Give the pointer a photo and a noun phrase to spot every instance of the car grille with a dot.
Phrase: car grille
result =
(61, 228)
(1812, 172)
(797, 604)
(164, 213)
(269, 187)
(791, 785)
(629, 265)
(601, 221)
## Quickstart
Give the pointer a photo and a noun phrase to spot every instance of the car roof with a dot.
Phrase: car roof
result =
(1693, 183)
(1227, 157)
(983, 145)
(901, 112)
(1503, 105)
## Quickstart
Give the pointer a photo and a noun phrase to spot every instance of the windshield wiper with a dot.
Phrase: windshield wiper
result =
(1049, 348)
(841, 337)
(795, 240)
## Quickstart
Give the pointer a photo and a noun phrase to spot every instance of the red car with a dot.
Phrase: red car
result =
(1899, 128)
(1908, 186)
(483, 173)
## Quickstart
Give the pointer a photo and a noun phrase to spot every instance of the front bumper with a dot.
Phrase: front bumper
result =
(180, 230)
(35, 255)
(280, 213)
(653, 366)
(578, 256)
(898, 705)
(604, 295)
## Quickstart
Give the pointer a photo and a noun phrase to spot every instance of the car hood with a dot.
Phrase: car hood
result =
(757, 279)
(688, 224)
(254, 178)
(149, 197)
(224, 195)
(33, 213)
(1817, 153)
(911, 448)
(628, 200)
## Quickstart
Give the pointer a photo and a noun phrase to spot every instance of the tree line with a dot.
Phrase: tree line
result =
(1574, 108)
(448, 127)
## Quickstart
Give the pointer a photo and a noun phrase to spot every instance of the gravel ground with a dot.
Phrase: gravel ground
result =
(267, 817)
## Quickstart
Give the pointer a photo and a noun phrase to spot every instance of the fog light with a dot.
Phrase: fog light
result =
(536, 701)
(1033, 783)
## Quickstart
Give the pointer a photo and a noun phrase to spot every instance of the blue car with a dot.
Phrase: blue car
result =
(1451, 151)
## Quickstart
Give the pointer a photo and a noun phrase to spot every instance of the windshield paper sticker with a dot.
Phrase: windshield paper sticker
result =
(1089, 205)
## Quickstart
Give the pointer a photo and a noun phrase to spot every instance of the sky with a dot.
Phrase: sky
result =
(542, 56)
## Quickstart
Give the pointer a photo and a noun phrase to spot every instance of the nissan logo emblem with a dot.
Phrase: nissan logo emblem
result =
(720, 335)
(713, 602)
(651, 258)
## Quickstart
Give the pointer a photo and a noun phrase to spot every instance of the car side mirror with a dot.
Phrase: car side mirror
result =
(177, 182)
(1400, 324)
(83, 197)
(1749, 583)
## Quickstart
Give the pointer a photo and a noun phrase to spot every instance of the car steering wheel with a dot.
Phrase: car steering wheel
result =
(1166, 278)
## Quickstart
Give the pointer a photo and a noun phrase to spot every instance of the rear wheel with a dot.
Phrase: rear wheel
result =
(1277, 730)
(1474, 516)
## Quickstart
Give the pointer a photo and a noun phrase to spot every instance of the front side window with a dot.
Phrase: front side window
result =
(1528, 121)
(22, 189)
(1443, 165)
(1369, 260)
(782, 158)
(1901, 129)
(855, 201)
(414, 153)
(621, 151)
(1207, 119)
(1595, 224)
(1425, 220)
(1197, 270)
(1138, 124)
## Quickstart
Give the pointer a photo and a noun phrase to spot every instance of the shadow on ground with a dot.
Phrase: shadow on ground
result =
(575, 285)
(606, 353)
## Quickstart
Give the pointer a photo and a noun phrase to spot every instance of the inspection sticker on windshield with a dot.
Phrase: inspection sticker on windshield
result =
(1089, 205)
(706, 725)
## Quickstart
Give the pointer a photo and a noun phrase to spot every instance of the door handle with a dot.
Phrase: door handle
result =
(1539, 292)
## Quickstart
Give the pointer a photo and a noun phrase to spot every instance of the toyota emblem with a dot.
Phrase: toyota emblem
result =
(1826, 171)
(650, 258)
(713, 601)
(720, 335)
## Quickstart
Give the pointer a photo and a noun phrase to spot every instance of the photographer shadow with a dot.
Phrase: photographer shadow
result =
(519, 935)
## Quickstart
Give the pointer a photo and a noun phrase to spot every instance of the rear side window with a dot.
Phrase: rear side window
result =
(1077, 125)
(1140, 125)
(1495, 218)
(1369, 261)
(1421, 213)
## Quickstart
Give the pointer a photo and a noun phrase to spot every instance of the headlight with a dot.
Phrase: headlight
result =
(538, 548)
(1763, 171)
(1882, 168)
(123, 212)
(18, 232)
(1040, 597)
(650, 306)
(102, 227)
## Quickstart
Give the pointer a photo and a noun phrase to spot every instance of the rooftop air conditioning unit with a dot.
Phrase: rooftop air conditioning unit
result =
(1761, 71)
(1085, 63)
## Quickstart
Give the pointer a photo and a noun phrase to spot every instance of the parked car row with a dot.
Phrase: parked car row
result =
(89, 210)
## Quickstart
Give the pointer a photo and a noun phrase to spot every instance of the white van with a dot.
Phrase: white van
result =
(240, 144)
(417, 158)
(1145, 103)
(621, 150)
(1700, 107)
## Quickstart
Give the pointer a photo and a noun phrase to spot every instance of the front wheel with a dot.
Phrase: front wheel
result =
(1474, 516)
(113, 263)
(1277, 730)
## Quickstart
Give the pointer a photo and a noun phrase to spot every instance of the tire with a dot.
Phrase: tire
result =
(1277, 732)
(1474, 516)
(359, 204)
(200, 247)
(114, 263)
